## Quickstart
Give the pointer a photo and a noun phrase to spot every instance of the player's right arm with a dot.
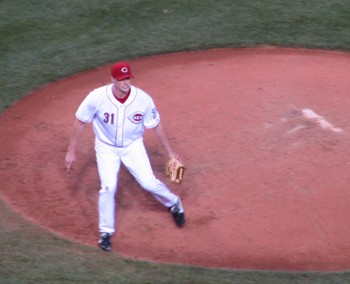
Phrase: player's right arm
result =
(77, 129)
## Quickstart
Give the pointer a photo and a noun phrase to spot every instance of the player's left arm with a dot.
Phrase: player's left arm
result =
(161, 133)
(77, 129)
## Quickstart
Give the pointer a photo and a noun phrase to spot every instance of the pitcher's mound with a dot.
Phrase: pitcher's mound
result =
(264, 134)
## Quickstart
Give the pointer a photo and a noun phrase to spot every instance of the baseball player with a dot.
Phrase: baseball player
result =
(119, 113)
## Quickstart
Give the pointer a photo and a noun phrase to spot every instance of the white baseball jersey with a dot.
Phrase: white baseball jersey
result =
(115, 123)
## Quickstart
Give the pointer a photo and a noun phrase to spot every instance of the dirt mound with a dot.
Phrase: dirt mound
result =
(266, 186)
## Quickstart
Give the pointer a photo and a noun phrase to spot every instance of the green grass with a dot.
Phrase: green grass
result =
(45, 40)
(30, 254)
(42, 40)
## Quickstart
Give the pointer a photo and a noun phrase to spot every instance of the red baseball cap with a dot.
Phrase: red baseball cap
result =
(121, 71)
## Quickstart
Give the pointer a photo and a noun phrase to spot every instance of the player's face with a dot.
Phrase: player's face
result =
(122, 85)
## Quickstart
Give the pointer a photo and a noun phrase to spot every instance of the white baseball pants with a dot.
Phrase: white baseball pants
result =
(136, 160)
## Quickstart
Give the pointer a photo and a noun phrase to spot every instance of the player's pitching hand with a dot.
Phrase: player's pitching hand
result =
(70, 159)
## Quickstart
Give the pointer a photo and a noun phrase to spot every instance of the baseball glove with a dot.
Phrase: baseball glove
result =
(175, 169)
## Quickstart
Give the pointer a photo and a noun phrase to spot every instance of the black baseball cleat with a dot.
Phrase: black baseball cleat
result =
(105, 242)
(177, 211)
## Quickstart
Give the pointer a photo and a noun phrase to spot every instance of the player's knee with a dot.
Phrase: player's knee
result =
(150, 184)
(108, 189)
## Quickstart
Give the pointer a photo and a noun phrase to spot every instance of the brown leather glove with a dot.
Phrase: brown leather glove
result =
(175, 169)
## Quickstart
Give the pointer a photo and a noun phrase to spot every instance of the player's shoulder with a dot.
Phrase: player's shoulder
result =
(99, 93)
(140, 94)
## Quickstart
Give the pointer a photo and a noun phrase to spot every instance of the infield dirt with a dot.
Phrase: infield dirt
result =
(266, 186)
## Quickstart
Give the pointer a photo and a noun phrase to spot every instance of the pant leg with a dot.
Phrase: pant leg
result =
(108, 164)
(137, 162)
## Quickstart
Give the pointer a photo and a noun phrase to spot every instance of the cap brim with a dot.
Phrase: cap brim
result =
(124, 77)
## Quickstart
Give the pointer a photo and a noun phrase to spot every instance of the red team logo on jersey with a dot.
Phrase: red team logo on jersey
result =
(136, 117)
